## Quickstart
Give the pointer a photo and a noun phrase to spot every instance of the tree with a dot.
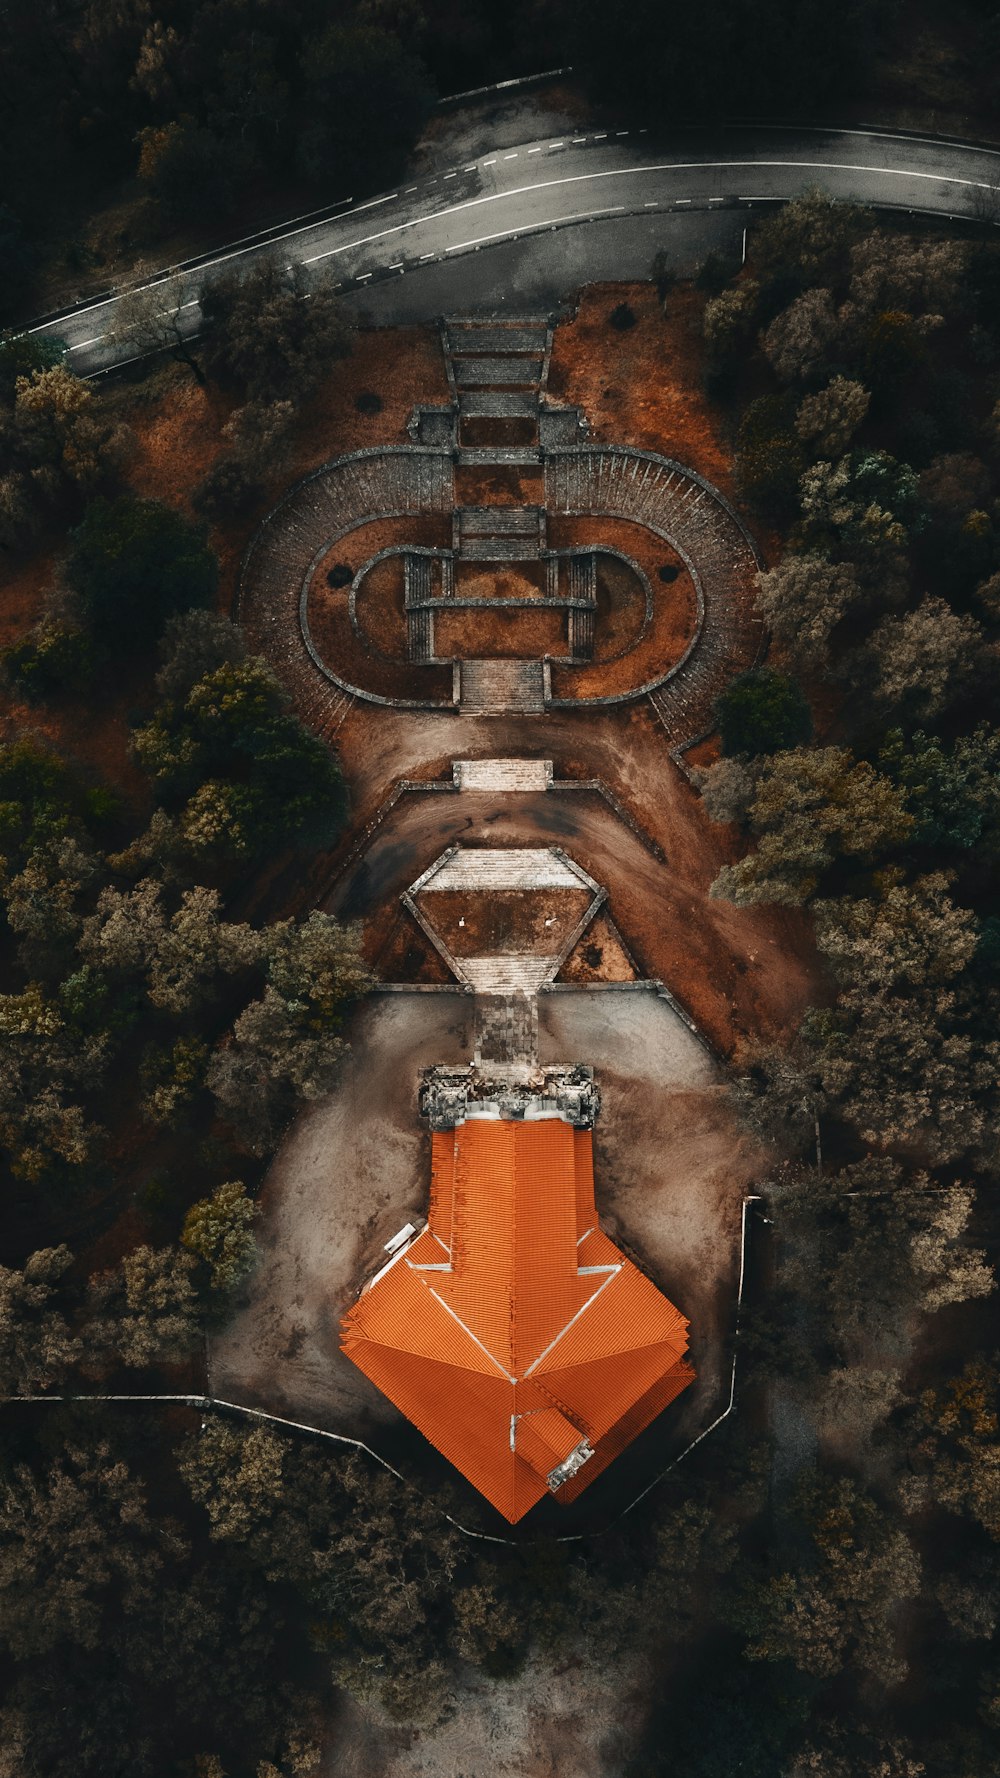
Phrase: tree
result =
(727, 788)
(47, 1067)
(22, 354)
(953, 791)
(809, 239)
(172, 1077)
(275, 1058)
(840, 1606)
(36, 1345)
(859, 510)
(354, 70)
(76, 1544)
(922, 661)
(367, 1554)
(828, 420)
(54, 656)
(42, 903)
(40, 799)
(270, 334)
(956, 1449)
(762, 712)
(730, 318)
(132, 564)
(812, 806)
(193, 644)
(219, 1230)
(258, 431)
(59, 424)
(769, 456)
(187, 167)
(180, 958)
(153, 314)
(890, 345)
(145, 1312)
(803, 600)
(866, 1251)
(240, 773)
(907, 1052)
(800, 342)
(901, 272)
(319, 962)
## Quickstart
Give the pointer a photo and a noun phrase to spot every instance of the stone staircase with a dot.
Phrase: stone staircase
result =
(502, 687)
(502, 774)
(516, 973)
(497, 370)
(420, 634)
(506, 1035)
(499, 533)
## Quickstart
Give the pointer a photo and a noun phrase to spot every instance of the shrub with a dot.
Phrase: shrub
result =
(134, 562)
(52, 657)
(762, 712)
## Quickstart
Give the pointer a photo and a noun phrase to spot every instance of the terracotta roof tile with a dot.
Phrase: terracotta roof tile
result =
(529, 1327)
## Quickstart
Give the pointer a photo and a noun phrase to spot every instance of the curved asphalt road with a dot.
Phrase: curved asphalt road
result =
(565, 182)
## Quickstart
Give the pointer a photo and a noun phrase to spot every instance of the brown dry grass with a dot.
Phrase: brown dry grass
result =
(643, 386)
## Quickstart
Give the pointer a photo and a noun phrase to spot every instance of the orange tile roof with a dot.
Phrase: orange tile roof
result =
(511, 1331)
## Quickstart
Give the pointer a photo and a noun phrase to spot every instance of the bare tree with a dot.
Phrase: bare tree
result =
(153, 316)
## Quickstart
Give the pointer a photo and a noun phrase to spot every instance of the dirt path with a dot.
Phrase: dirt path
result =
(738, 971)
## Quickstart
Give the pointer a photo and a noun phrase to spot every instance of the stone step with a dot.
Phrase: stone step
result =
(506, 1033)
(499, 521)
(499, 549)
(484, 456)
(498, 404)
(475, 869)
(561, 426)
(498, 686)
(420, 634)
(580, 633)
(417, 579)
(583, 578)
(495, 372)
(506, 974)
(469, 337)
(502, 774)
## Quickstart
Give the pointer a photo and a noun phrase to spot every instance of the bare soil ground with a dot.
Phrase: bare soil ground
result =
(499, 580)
(600, 956)
(529, 921)
(738, 971)
(470, 632)
(643, 386)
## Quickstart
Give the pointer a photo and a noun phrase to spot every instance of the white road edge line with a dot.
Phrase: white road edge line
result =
(577, 178)
(531, 227)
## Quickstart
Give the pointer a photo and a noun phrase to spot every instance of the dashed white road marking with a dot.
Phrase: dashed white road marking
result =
(939, 178)
(534, 151)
